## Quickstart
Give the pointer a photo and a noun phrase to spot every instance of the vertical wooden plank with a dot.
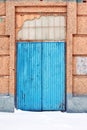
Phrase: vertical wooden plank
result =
(29, 76)
(53, 75)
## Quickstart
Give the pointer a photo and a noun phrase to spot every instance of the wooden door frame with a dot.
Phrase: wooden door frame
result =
(71, 11)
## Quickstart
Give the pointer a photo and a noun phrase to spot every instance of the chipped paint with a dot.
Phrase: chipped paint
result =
(21, 19)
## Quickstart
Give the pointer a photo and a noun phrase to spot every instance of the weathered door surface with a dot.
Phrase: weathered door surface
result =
(41, 76)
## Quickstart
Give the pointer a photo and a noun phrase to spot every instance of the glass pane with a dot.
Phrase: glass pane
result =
(32, 23)
(57, 21)
(31, 33)
(43, 28)
(38, 33)
(51, 33)
(44, 21)
(44, 33)
(38, 22)
(62, 33)
(57, 34)
(25, 34)
(62, 19)
(51, 21)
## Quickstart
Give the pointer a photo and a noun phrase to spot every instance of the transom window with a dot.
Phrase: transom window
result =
(44, 28)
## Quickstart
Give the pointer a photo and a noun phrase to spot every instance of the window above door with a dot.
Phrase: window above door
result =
(47, 28)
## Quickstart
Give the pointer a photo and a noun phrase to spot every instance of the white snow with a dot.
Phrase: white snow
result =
(21, 120)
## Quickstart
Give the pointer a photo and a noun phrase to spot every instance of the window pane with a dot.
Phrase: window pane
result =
(57, 21)
(43, 28)
(44, 33)
(57, 34)
(38, 22)
(62, 19)
(51, 33)
(38, 33)
(44, 21)
(32, 23)
(31, 34)
(62, 33)
(25, 34)
(51, 21)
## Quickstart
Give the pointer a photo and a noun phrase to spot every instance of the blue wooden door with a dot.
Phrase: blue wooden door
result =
(29, 76)
(41, 76)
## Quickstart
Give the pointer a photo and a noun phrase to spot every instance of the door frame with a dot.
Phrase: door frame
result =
(65, 7)
(59, 89)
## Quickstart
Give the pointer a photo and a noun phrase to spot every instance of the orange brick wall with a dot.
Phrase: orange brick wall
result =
(4, 64)
(80, 50)
(4, 52)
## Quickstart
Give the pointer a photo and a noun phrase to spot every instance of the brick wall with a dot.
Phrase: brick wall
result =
(4, 52)
(80, 52)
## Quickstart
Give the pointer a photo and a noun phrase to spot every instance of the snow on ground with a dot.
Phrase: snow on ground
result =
(21, 120)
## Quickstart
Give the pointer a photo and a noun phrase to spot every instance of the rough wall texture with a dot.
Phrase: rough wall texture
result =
(6, 100)
(80, 52)
(12, 17)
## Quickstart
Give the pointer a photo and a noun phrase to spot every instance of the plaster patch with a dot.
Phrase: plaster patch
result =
(81, 65)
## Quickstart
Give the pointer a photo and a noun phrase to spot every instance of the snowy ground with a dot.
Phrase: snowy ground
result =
(42, 121)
